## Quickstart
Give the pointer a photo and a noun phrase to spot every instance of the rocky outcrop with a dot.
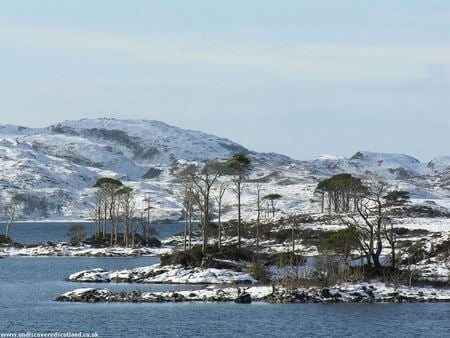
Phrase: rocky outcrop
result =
(243, 298)
(359, 293)
(170, 274)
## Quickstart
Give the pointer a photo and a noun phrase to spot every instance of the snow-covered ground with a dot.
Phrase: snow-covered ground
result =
(64, 249)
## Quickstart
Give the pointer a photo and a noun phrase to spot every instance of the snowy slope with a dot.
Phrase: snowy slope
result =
(156, 143)
(54, 168)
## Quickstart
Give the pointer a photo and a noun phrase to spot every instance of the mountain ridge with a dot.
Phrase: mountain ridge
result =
(54, 168)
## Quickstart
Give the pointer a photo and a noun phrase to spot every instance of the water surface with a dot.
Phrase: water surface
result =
(28, 286)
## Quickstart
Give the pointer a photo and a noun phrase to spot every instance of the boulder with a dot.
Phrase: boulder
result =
(243, 298)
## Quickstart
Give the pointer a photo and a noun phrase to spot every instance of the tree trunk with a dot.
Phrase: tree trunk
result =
(376, 260)
(239, 214)
(105, 217)
(8, 228)
(323, 201)
(219, 226)
(258, 206)
(98, 221)
(190, 228)
(293, 240)
(185, 231)
(205, 221)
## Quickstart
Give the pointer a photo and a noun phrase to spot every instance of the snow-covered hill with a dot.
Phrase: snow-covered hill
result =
(53, 169)
(149, 143)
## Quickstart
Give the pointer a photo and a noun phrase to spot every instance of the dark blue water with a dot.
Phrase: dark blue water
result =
(41, 232)
(28, 286)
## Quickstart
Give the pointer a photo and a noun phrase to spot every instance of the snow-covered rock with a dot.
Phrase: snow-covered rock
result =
(170, 274)
(349, 293)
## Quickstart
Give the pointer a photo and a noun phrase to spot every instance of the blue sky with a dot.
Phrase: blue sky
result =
(302, 78)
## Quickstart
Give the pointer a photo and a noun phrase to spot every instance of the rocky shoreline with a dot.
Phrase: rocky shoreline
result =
(352, 293)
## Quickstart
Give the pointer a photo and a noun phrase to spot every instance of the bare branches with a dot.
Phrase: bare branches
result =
(201, 180)
(10, 209)
(368, 222)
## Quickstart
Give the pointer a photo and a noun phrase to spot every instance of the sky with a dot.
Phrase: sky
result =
(300, 78)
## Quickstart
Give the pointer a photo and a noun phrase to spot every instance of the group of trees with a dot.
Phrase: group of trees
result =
(340, 193)
(114, 205)
(363, 207)
(114, 209)
(201, 188)
(115, 213)
(198, 182)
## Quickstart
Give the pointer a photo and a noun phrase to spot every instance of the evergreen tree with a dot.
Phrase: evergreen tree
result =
(239, 165)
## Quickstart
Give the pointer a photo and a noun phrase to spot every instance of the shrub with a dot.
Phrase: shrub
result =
(441, 248)
(76, 233)
(416, 252)
(152, 242)
(283, 259)
(99, 242)
(234, 253)
(5, 240)
(191, 258)
(341, 242)
(259, 272)
(196, 257)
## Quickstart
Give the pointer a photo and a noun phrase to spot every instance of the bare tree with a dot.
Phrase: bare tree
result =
(76, 232)
(391, 237)
(258, 217)
(98, 214)
(271, 200)
(126, 204)
(10, 209)
(133, 232)
(295, 222)
(190, 197)
(219, 197)
(148, 208)
(203, 180)
(368, 223)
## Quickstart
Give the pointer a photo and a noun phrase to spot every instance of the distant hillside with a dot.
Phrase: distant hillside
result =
(156, 143)
(53, 169)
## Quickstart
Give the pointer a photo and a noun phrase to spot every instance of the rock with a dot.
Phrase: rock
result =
(326, 293)
(371, 295)
(357, 296)
(243, 298)
(176, 297)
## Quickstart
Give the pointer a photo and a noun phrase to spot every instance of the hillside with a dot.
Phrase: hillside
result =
(53, 169)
